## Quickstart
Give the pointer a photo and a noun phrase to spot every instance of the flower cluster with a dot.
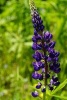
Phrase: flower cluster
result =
(46, 65)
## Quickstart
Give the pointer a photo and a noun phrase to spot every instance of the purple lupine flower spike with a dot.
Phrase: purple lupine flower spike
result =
(45, 56)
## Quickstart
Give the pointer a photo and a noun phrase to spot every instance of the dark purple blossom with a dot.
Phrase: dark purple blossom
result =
(50, 87)
(56, 83)
(40, 76)
(47, 36)
(37, 56)
(35, 75)
(36, 46)
(54, 78)
(43, 89)
(52, 44)
(47, 75)
(36, 38)
(35, 94)
(38, 65)
(38, 86)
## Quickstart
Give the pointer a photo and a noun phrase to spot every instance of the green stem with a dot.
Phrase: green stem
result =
(44, 96)
(17, 73)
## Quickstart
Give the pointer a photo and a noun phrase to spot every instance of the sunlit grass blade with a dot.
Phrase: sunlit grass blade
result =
(60, 97)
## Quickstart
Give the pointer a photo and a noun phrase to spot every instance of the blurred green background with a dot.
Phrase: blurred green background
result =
(16, 31)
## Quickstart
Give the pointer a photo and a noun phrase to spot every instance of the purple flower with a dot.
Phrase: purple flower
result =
(37, 22)
(37, 56)
(35, 75)
(56, 83)
(38, 65)
(38, 86)
(40, 76)
(50, 87)
(35, 94)
(47, 75)
(52, 44)
(36, 46)
(36, 38)
(54, 78)
(47, 36)
(43, 89)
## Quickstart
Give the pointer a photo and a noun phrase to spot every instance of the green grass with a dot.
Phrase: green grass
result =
(16, 31)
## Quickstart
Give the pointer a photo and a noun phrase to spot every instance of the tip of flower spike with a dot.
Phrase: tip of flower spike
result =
(32, 6)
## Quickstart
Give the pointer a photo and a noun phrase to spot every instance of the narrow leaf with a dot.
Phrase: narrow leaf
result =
(60, 97)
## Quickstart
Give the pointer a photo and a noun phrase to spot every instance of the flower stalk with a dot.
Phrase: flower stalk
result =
(45, 56)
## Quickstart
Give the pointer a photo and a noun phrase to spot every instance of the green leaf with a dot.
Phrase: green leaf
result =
(59, 87)
(28, 43)
(60, 97)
